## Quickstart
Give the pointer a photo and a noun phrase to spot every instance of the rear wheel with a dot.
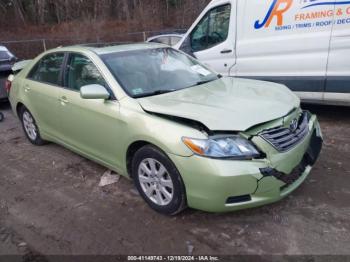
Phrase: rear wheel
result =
(30, 127)
(158, 181)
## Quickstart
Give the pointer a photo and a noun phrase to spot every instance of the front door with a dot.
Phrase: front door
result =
(89, 126)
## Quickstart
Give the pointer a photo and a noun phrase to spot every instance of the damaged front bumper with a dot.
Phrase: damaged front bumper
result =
(216, 185)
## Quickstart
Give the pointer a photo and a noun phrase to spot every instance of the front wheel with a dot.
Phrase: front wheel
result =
(30, 128)
(158, 181)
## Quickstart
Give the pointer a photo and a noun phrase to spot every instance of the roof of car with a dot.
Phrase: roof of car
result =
(165, 35)
(107, 49)
(3, 48)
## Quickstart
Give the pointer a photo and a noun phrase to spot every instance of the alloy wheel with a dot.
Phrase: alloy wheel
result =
(29, 126)
(156, 182)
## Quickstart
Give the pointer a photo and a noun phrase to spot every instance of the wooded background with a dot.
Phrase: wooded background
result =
(89, 19)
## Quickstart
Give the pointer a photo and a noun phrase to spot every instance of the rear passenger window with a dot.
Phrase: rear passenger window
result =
(81, 71)
(48, 69)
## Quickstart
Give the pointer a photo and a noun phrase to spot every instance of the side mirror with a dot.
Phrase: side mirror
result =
(94, 92)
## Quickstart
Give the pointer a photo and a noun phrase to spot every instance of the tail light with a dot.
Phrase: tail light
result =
(8, 85)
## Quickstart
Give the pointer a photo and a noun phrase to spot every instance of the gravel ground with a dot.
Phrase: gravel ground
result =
(50, 203)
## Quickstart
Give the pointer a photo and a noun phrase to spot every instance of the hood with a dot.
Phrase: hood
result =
(227, 104)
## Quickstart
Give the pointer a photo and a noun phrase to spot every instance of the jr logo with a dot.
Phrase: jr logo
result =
(278, 8)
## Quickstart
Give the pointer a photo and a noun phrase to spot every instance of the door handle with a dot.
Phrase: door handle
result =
(26, 89)
(226, 51)
(63, 100)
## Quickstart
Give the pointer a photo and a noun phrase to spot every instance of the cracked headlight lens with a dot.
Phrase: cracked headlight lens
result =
(232, 146)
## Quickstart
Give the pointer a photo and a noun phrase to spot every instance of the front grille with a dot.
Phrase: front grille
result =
(308, 159)
(283, 138)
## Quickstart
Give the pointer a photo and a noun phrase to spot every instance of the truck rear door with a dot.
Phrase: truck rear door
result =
(338, 73)
(286, 41)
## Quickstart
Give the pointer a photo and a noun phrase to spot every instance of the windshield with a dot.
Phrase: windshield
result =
(156, 71)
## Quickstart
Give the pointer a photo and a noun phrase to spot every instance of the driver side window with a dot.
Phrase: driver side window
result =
(80, 72)
(212, 29)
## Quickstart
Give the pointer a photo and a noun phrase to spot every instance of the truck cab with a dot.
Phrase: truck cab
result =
(304, 44)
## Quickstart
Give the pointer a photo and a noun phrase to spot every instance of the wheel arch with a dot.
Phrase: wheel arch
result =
(132, 149)
(27, 105)
(137, 145)
(19, 107)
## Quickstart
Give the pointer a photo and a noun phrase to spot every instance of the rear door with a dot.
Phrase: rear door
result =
(338, 74)
(212, 40)
(286, 41)
(41, 91)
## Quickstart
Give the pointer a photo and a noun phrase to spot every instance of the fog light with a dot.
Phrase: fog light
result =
(238, 199)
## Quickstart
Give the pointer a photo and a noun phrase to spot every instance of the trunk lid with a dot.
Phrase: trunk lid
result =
(17, 67)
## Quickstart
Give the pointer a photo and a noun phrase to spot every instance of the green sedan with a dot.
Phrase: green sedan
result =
(185, 135)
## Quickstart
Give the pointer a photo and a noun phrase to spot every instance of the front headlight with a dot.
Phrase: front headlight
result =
(223, 147)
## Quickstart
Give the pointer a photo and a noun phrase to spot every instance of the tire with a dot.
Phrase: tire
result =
(156, 178)
(30, 127)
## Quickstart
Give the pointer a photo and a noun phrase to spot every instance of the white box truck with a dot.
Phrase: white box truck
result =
(304, 44)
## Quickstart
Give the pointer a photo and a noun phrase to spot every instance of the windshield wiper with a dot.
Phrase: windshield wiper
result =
(164, 91)
(203, 82)
(154, 93)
